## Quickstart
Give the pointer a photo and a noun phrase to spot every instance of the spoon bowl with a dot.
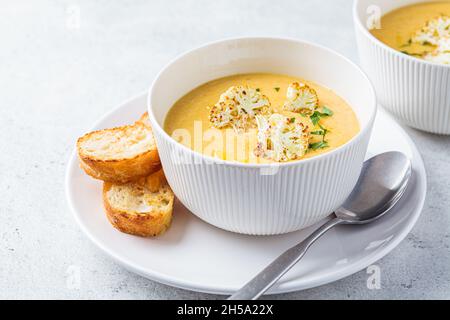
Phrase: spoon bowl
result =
(382, 183)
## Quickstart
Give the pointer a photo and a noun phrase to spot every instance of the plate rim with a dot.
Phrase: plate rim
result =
(290, 286)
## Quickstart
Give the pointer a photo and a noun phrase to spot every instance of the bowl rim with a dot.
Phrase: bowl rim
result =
(212, 160)
(378, 42)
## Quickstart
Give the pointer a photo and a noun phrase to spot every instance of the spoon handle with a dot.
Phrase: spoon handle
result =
(274, 271)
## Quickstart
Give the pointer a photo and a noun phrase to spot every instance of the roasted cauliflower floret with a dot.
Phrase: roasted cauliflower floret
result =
(442, 52)
(281, 138)
(444, 45)
(237, 108)
(433, 31)
(438, 57)
(437, 34)
(301, 98)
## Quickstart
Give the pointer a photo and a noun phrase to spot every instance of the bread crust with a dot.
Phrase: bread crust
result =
(134, 177)
(140, 224)
(145, 120)
(119, 170)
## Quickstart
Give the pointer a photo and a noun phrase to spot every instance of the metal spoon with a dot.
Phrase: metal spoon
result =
(382, 182)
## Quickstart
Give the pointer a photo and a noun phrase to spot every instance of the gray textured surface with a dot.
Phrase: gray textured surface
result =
(56, 80)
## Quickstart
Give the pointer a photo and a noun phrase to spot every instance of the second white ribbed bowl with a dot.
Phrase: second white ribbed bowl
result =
(415, 91)
(262, 199)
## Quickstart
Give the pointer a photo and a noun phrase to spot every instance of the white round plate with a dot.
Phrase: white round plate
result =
(197, 256)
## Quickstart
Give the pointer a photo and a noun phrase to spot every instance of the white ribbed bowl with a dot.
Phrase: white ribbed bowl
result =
(415, 91)
(256, 198)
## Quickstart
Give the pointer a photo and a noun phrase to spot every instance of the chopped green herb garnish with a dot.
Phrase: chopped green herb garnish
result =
(326, 111)
(322, 132)
(315, 117)
(324, 129)
(277, 89)
(291, 120)
(407, 44)
(258, 90)
(318, 145)
(414, 54)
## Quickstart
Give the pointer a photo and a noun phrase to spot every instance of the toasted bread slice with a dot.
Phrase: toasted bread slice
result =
(119, 154)
(145, 120)
(142, 208)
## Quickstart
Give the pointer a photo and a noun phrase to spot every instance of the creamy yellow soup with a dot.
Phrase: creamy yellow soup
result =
(399, 29)
(188, 120)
